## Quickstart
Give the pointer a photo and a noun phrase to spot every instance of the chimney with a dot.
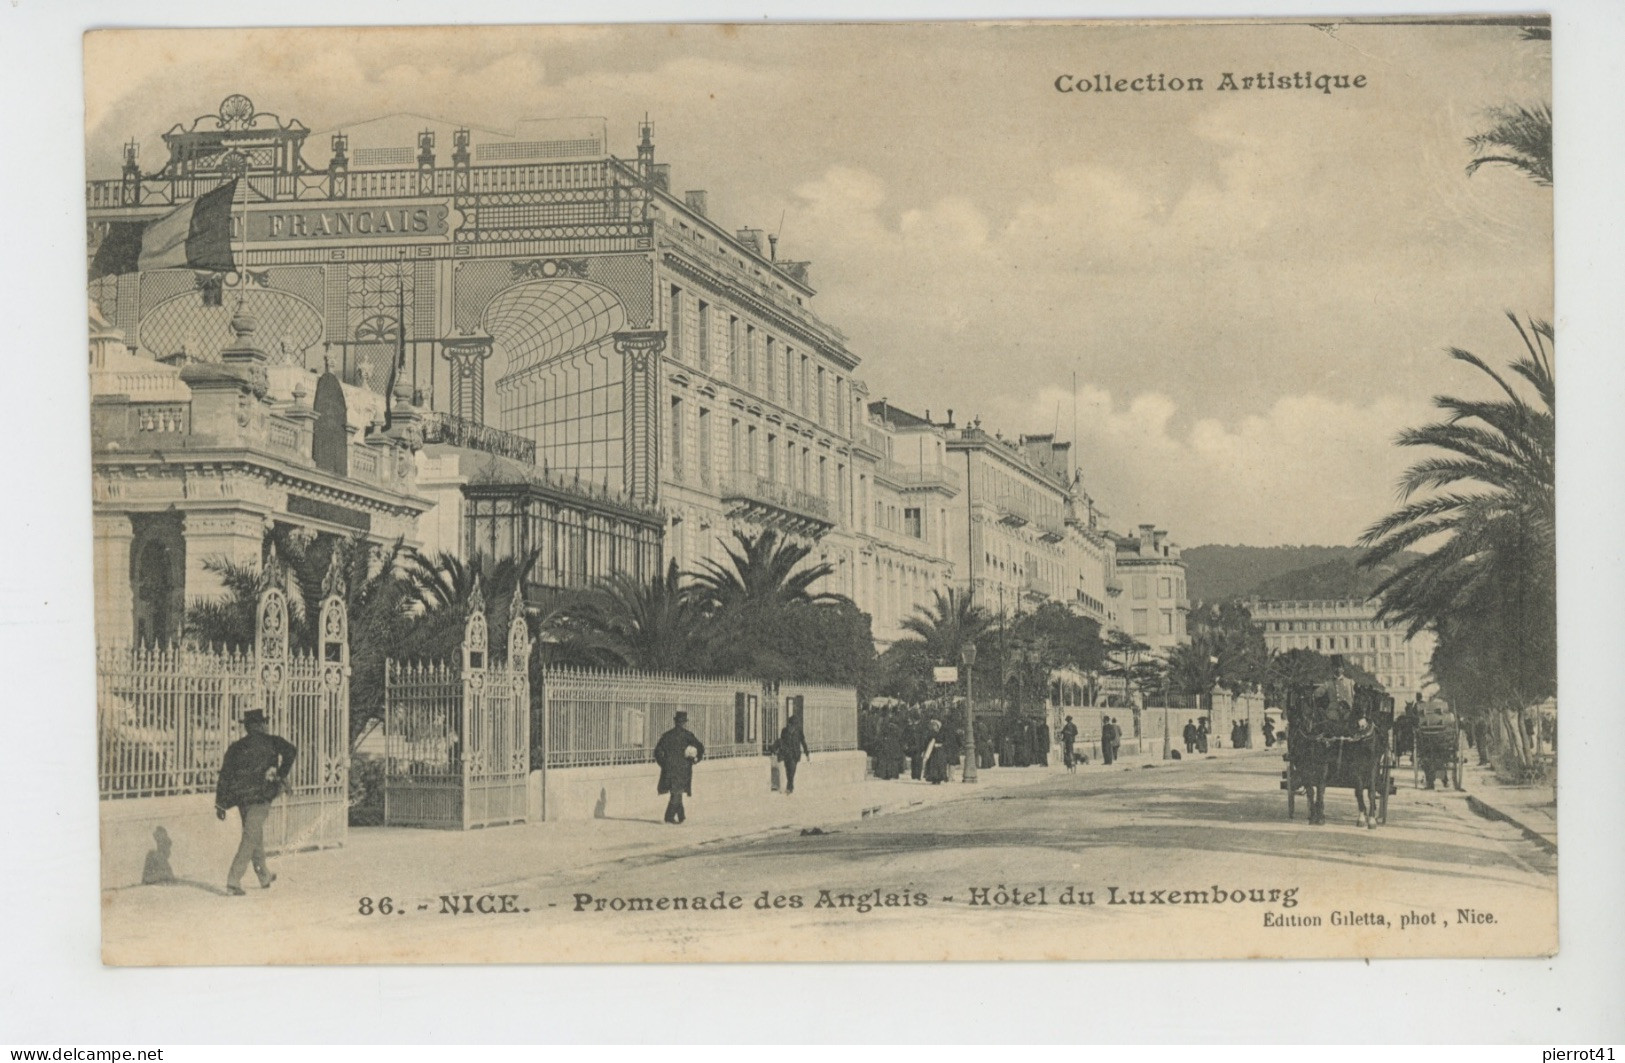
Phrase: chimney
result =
(751, 238)
(950, 417)
(698, 201)
(773, 246)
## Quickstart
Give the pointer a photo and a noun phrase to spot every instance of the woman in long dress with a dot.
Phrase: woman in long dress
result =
(936, 755)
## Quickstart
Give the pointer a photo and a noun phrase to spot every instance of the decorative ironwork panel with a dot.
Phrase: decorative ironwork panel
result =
(829, 715)
(165, 716)
(476, 284)
(595, 718)
(458, 738)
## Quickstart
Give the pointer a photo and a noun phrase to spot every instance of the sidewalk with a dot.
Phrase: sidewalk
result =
(1531, 807)
(424, 863)
(393, 869)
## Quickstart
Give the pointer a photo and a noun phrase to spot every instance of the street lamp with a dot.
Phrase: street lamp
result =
(967, 654)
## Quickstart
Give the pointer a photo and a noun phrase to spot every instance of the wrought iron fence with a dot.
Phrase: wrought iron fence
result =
(597, 718)
(457, 735)
(829, 715)
(165, 716)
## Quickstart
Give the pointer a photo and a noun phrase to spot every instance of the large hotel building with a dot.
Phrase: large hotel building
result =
(571, 357)
(1349, 627)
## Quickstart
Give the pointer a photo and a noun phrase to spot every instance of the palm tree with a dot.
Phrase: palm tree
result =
(1490, 501)
(751, 596)
(656, 626)
(952, 622)
(764, 572)
(1519, 137)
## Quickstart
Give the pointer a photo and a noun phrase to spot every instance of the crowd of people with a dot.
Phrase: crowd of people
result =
(910, 740)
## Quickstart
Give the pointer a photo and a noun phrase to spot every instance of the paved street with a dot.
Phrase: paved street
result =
(1175, 860)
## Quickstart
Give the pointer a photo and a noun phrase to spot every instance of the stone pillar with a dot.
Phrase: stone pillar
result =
(641, 421)
(235, 534)
(115, 598)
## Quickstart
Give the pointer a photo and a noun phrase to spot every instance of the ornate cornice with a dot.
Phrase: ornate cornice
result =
(806, 333)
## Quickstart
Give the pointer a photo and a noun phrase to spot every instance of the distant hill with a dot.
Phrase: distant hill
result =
(1337, 578)
(1220, 573)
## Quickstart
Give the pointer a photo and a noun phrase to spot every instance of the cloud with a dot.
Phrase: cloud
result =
(1309, 469)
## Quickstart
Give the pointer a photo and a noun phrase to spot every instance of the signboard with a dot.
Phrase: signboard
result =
(298, 223)
(945, 675)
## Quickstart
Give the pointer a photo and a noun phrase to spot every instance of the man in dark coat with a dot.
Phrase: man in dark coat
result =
(936, 755)
(677, 752)
(1269, 732)
(792, 744)
(1108, 741)
(915, 749)
(254, 771)
(1190, 737)
(1069, 735)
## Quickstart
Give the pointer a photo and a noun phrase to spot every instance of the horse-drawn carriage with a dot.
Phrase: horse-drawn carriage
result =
(1340, 734)
(1438, 745)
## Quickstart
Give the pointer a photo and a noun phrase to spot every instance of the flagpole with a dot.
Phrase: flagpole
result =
(239, 199)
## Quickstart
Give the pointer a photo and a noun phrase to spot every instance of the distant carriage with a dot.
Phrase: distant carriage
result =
(1340, 735)
(1438, 745)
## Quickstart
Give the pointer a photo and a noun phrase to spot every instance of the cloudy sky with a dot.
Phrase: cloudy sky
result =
(1251, 289)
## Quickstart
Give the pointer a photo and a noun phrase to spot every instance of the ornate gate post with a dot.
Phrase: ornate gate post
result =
(332, 727)
(271, 645)
(518, 722)
(271, 678)
(474, 741)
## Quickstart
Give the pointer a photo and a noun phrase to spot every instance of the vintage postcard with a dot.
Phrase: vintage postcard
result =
(917, 491)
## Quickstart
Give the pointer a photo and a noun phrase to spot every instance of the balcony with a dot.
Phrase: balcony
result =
(460, 432)
(1050, 530)
(786, 508)
(1014, 512)
(918, 477)
(868, 437)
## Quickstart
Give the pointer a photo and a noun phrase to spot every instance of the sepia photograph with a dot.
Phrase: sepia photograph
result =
(924, 491)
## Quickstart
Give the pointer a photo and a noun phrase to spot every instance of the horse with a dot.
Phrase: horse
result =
(1359, 754)
(1405, 735)
(1333, 743)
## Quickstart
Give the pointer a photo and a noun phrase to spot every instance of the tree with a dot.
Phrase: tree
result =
(1489, 502)
(754, 595)
(375, 591)
(660, 625)
(817, 644)
(439, 591)
(1295, 673)
(951, 622)
(1226, 649)
(763, 572)
(1519, 137)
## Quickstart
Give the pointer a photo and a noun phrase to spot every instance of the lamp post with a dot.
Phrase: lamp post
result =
(967, 654)
(1165, 744)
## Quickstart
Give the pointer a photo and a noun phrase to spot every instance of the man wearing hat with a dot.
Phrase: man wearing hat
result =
(676, 753)
(254, 772)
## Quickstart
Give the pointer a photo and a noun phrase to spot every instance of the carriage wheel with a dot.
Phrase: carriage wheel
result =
(1291, 790)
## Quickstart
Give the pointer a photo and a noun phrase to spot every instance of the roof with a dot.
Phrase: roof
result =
(896, 417)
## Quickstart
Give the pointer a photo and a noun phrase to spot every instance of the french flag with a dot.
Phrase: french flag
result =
(194, 236)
